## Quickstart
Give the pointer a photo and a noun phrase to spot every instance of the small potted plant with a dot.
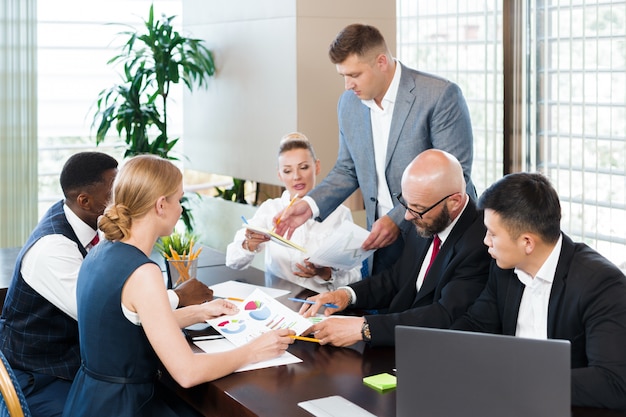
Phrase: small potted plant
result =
(181, 256)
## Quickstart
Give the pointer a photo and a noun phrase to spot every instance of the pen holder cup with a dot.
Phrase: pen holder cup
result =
(179, 271)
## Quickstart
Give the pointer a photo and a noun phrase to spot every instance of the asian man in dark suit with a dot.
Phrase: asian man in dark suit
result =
(387, 116)
(543, 285)
(414, 291)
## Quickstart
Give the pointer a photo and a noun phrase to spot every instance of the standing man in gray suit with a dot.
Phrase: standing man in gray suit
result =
(388, 115)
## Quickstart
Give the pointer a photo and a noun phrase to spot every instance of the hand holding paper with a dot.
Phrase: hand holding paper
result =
(343, 249)
(384, 232)
(274, 237)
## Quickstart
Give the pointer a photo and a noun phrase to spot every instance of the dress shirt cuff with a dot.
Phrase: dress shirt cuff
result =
(313, 205)
(331, 280)
(352, 294)
(173, 298)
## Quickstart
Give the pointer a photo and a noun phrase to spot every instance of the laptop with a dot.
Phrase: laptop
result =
(453, 373)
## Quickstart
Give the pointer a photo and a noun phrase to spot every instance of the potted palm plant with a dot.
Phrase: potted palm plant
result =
(153, 59)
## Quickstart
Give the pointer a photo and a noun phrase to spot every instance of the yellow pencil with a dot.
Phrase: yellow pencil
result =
(306, 339)
(293, 200)
(235, 299)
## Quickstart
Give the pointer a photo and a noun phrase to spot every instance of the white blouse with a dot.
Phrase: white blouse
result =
(280, 260)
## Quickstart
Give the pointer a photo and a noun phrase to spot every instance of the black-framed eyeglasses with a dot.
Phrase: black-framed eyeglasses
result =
(420, 214)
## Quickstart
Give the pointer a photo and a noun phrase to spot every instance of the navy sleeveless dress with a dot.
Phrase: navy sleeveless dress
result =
(119, 367)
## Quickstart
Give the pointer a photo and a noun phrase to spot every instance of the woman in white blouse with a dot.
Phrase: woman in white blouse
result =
(297, 169)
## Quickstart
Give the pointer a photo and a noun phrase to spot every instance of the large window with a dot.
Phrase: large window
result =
(573, 97)
(573, 91)
(76, 40)
(579, 60)
(462, 41)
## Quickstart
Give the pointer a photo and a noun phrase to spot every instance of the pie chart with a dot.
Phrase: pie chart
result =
(257, 310)
(232, 326)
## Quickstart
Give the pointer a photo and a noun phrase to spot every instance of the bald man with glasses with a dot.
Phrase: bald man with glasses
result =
(442, 270)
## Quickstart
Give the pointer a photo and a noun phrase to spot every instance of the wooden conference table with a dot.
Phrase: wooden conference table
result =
(324, 371)
(276, 391)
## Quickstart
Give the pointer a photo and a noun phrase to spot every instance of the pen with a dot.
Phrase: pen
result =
(301, 300)
(306, 339)
(210, 337)
(293, 200)
(244, 220)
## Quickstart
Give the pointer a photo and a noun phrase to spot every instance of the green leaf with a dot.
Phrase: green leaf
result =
(152, 59)
(180, 242)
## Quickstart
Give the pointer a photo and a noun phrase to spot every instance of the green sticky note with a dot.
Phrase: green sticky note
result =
(380, 382)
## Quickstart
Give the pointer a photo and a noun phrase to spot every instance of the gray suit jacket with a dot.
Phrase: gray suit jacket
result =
(429, 112)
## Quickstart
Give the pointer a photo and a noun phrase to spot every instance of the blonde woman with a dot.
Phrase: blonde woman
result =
(126, 325)
(297, 170)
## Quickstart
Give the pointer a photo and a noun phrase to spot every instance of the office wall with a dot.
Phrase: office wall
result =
(274, 76)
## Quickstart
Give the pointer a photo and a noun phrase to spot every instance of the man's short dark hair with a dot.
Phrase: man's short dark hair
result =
(526, 202)
(356, 39)
(84, 169)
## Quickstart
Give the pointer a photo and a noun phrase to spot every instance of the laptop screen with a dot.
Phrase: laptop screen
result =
(454, 373)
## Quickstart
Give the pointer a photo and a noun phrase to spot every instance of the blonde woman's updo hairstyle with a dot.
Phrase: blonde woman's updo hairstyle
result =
(138, 185)
(295, 140)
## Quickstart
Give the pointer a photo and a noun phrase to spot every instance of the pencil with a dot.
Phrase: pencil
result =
(306, 339)
(301, 300)
(234, 299)
(293, 200)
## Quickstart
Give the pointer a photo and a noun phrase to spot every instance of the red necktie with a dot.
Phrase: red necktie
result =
(436, 245)
(94, 241)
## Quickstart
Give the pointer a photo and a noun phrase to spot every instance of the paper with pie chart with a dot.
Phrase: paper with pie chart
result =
(258, 314)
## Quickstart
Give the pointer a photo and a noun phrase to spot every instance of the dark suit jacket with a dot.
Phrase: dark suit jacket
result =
(455, 279)
(587, 307)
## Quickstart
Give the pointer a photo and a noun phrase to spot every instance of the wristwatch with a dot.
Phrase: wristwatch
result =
(365, 331)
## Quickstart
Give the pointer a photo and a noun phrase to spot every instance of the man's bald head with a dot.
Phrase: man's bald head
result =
(433, 172)
(433, 188)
